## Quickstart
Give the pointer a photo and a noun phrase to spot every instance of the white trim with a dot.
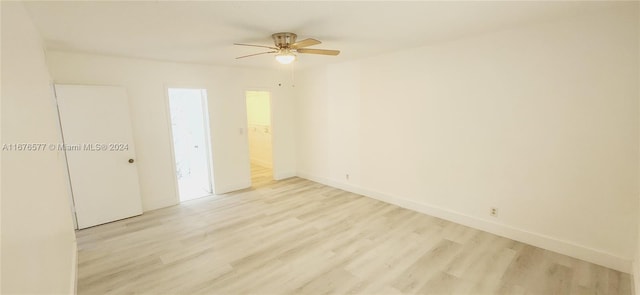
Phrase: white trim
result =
(204, 100)
(635, 283)
(63, 156)
(284, 175)
(159, 204)
(167, 109)
(74, 266)
(232, 188)
(536, 239)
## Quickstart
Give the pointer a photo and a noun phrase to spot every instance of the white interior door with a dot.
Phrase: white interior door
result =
(96, 128)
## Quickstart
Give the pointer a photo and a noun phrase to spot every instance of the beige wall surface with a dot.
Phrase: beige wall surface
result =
(38, 241)
(538, 121)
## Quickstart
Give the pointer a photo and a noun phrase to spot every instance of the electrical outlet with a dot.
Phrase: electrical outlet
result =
(493, 211)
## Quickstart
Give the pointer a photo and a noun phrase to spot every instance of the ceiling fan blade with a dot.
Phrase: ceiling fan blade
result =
(305, 43)
(256, 54)
(318, 51)
(263, 46)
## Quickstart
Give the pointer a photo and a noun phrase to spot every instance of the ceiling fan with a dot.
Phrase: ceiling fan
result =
(286, 47)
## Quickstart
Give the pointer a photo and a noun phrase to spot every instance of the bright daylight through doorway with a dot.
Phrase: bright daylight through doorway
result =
(189, 126)
(259, 136)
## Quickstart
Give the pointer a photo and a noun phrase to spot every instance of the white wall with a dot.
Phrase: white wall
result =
(146, 80)
(38, 241)
(539, 121)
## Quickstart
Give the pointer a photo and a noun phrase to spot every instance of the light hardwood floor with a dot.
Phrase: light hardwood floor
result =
(300, 237)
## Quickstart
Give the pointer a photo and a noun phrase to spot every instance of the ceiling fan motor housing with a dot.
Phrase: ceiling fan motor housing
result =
(284, 40)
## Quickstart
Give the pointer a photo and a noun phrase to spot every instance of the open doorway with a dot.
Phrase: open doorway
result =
(259, 133)
(190, 132)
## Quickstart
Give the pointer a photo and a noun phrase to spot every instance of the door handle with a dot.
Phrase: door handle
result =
(131, 161)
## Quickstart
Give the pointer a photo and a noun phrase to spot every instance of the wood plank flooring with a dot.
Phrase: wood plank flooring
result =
(300, 237)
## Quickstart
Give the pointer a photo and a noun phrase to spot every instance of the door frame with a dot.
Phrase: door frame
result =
(271, 128)
(67, 175)
(207, 123)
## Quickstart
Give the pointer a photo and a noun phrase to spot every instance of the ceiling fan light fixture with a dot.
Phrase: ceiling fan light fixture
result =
(286, 47)
(285, 57)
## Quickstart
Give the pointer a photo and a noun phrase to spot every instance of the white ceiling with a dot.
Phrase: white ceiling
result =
(203, 32)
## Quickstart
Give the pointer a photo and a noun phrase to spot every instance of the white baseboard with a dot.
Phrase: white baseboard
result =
(161, 204)
(230, 188)
(284, 175)
(536, 239)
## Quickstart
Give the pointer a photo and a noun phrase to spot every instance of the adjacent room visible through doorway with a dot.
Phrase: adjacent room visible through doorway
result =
(190, 131)
(259, 133)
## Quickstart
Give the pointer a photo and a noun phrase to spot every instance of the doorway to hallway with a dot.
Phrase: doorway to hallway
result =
(259, 136)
